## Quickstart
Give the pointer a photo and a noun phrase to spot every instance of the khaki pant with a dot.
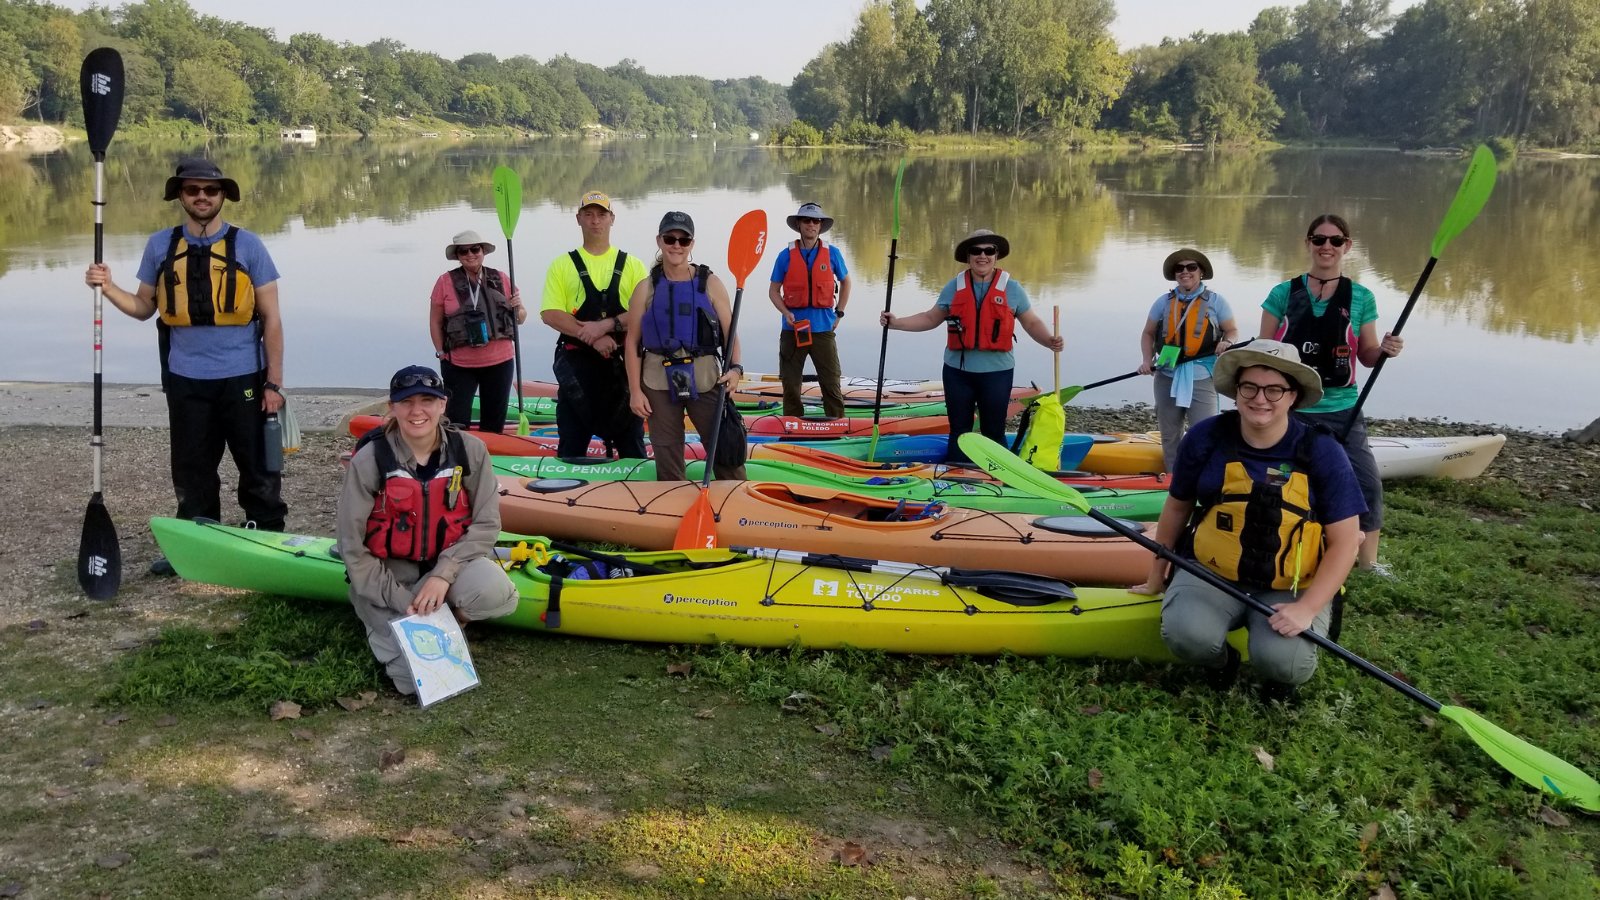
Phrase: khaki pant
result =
(824, 353)
(666, 431)
(481, 591)
(1196, 619)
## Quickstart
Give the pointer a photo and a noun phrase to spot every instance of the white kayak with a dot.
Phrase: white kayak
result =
(1435, 457)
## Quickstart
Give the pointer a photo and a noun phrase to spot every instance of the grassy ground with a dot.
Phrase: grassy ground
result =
(141, 758)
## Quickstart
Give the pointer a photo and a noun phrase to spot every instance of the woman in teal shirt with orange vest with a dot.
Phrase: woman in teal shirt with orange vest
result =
(980, 309)
(1332, 320)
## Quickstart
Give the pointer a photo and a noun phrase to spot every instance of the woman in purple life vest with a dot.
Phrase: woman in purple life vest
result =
(675, 322)
(473, 314)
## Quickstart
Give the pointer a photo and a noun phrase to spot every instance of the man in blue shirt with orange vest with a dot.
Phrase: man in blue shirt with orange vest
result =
(811, 289)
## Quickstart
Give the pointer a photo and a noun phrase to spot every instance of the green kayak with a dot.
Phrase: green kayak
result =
(1141, 506)
(542, 410)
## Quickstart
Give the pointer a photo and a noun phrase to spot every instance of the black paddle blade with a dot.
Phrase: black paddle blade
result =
(99, 554)
(100, 82)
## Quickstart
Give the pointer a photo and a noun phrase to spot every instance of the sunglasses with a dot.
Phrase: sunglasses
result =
(673, 240)
(429, 380)
(1187, 267)
(985, 250)
(806, 220)
(469, 249)
(1317, 240)
(195, 190)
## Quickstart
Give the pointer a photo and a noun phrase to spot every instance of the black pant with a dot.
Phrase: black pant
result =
(987, 393)
(592, 401)
(491, 384)
(204, 416)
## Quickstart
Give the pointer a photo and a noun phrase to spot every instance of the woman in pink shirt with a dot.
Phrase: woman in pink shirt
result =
(473, 316)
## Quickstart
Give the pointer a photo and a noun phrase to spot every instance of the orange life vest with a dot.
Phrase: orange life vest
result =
(986, 326)
(1189, 326)
(809, 286)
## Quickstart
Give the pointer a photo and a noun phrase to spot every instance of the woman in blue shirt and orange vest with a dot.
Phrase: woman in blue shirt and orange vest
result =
(1197, 323)
(980, 309)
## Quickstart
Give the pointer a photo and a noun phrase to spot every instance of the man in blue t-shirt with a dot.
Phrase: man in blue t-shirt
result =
(215, 289)
(1268, 503)
(811, 289)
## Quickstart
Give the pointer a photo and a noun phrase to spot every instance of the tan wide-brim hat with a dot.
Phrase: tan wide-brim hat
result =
(1274, 355)
(1169, 269)
(982, 236)
(466, 237)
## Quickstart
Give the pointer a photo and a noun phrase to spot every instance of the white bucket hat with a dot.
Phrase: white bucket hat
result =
(463, 238)
(1274, 355)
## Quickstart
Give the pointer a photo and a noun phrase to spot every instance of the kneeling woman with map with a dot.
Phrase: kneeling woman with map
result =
(418, 519)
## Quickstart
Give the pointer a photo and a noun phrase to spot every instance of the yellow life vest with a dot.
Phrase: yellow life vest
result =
(204, 285)
(1261, 534)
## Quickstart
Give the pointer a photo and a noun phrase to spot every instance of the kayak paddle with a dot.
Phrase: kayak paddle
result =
(508, 203)
(1537, 767)
(1065, 394)
(749, 239)
(99, 553)
(1476, 186)
(888, 294)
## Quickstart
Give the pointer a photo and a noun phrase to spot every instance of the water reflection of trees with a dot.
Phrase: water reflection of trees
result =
(1520, 268)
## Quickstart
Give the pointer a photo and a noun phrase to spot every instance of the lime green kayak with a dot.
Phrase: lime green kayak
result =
(1142, 506)
(754, 598)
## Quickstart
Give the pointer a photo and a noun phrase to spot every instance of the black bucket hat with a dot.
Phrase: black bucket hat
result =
(198, 169)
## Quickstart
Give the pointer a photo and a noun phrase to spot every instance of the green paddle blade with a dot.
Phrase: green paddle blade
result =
(1470, 198)
(507, 198)
(1014, 471)
(899, 175)
(1543, 770)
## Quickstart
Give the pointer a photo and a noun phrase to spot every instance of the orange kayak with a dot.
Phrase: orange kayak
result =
(825, 520)
(827, 461)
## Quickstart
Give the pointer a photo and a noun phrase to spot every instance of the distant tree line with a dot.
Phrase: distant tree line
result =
(1441, 72)
(229, 76)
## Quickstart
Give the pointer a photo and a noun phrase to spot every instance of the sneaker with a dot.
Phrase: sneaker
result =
(161, 568)
(1384, 570)
(1223, 678)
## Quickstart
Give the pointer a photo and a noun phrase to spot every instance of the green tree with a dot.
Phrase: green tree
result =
(210, 92)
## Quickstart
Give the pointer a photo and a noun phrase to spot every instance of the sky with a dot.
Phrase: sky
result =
(712, 38)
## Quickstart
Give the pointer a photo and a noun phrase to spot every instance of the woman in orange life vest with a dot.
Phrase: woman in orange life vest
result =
(1267, 502)
(1332, 321)
(1197, 323)
(980, 309)
(418, 517)
(473, 314)
(676, 319)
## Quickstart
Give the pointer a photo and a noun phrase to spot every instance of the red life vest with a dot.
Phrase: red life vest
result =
(415, 519)
(809, 286)
(987, 326)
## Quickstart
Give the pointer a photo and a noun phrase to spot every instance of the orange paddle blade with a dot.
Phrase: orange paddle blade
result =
(698, 531)
(748, 242)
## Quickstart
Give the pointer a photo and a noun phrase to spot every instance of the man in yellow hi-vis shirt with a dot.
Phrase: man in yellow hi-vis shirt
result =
(585, 294)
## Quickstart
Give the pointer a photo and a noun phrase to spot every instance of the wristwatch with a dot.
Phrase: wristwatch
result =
(272, 387)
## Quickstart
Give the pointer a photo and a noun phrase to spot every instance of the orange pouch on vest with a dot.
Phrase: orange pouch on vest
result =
(802, 332)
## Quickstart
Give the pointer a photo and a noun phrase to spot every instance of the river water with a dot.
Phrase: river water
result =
(1504, 333)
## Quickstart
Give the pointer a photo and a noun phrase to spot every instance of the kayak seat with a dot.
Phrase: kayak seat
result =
(1081, 526)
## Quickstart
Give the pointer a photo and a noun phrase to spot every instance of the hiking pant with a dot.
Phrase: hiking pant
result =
(491, 384)
(989, 393)
(1170, 417)
(592, 401)
(824, 353)
(666, 432)
(481, 591)
(204, 416)
(1196, 619)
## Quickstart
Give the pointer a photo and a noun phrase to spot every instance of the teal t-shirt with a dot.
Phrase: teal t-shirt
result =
(984, 360)
(1363, 309)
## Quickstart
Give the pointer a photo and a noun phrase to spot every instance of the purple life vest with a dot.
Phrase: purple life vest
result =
(680, 320)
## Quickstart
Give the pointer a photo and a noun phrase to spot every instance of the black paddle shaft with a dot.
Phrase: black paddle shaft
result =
(1382, 358)
(883, 345)
(1104, 382)
(1232, 590)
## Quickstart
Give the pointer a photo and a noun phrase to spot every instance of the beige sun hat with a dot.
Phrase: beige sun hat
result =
(1169, 268)
(982, 235)
(1274, 355)
(463, 238)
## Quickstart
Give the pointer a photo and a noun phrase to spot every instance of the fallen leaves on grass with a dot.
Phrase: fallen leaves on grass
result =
(707, 713)
(39, 703)
(828, 728)
(58, 793)
(284, 709)
(853, 854)
(115, 719)
(390, 758)
(302, 734)
(681, 668)
(38, 625)
(1096, 778)
(166, 721)
(93, 761)
(1552, 818)
(113, 860)
(882, 752)
(12, 889)
(1384, 892)
(1368, 835)
(205, 853)
(797, 701)
(1266, 759)
(1090, 710)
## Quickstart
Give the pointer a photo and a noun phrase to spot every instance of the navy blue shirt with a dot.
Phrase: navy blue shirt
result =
(1202, 459)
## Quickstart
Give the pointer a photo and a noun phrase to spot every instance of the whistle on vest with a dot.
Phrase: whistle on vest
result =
(454, 490)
